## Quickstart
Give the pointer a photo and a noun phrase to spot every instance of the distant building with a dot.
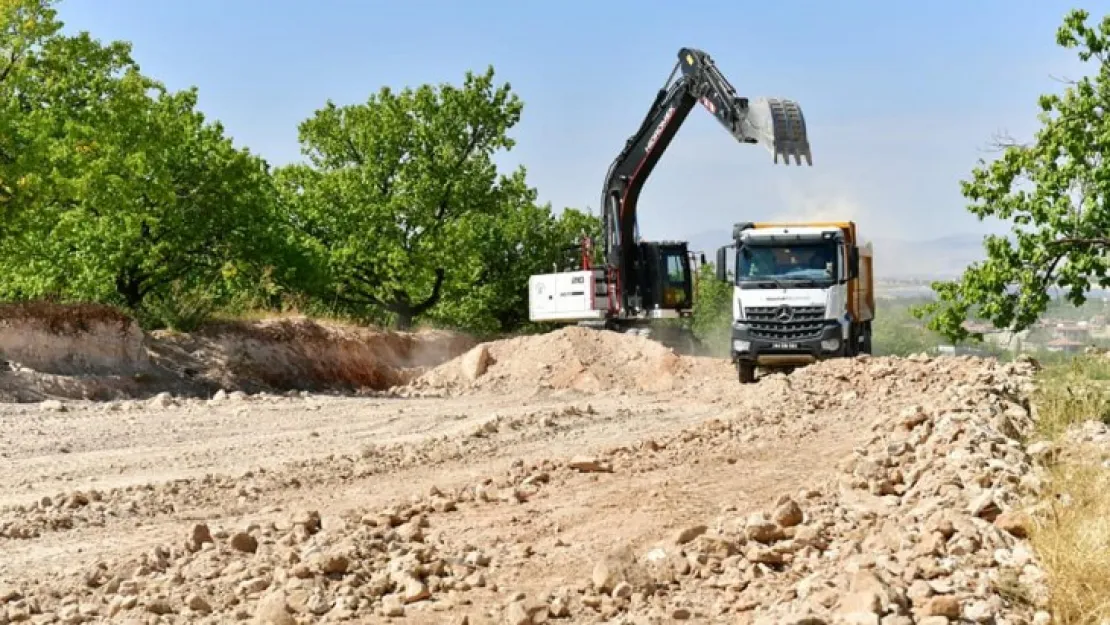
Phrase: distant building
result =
(1073, 332)
(1064, 345)
(961, 350)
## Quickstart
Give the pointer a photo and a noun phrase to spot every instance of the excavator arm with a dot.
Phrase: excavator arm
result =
(775, 123)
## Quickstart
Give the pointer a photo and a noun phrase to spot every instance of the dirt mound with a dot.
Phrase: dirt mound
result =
(570, 358)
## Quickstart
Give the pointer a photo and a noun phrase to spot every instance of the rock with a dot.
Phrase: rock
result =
(1042, 451)
(200, 535)
(559, 608)
(517, 614)
(161, 400)
(475, 362)
(860, 602)
(943, 605)
(788, 513)
(1016, 523)
(52, 405)
(393, 606)
(985, 507)
(308, 521)
(197, 603)
(244, 542)
(587, 464)
(415, 590)
(622, 590)
(273, 610)
(605, 576)
(763, 531)
(335, 564)
(690, 533)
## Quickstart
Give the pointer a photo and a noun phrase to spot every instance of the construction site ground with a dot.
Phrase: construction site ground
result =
(574, 477)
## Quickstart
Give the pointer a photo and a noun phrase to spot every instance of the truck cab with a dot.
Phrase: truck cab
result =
(801, 293)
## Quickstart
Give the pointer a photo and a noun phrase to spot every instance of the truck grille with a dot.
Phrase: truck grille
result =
(805, 322)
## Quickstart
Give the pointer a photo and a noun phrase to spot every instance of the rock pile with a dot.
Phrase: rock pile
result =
(923, 525)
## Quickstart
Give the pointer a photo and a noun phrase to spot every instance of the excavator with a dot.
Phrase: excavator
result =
(639, 282)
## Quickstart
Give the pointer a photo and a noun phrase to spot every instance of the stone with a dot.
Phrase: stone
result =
(243, 542)
(943, 605)
(393, 606)
(273, 610)
(588, 464)
(475, 362)
(1015, 523)
(690, 533)
(788, 514)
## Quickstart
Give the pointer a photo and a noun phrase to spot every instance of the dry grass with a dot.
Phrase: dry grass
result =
(1071, 393)
(1073, 543)
(1072, 539)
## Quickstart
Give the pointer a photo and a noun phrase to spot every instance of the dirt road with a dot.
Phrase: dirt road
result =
(476, 503)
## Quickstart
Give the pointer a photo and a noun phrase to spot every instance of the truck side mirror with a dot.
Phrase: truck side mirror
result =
(722, 258)
(853, 263)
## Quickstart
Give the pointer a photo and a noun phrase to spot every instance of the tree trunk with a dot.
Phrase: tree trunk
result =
(130, 289)
(402, 320)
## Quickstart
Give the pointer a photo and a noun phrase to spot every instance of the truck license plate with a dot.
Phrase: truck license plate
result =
(784, 345)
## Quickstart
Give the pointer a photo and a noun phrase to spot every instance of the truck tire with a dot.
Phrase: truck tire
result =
(746, 372)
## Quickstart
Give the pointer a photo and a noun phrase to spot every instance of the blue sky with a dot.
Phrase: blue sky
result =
(900, 98)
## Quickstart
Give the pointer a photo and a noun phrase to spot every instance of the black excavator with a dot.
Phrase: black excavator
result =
(639, 281)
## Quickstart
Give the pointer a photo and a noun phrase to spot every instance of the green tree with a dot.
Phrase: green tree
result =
(489, 292)
(712, 314)
(1055, 192)
(121, 191)
(399, 190)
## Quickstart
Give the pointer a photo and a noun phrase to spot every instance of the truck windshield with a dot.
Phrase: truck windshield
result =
(806, 262)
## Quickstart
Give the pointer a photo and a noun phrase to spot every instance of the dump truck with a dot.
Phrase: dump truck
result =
(802, 292)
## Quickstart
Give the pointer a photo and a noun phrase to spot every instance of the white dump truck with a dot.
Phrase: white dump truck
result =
(802, 292)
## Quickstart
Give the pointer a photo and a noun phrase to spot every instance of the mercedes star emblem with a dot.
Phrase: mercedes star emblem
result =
(785, 313)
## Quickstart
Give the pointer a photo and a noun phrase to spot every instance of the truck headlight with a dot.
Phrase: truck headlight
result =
(830, 345)
(741, 346)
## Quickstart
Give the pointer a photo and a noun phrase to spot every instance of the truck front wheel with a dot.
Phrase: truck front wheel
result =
(747, 372)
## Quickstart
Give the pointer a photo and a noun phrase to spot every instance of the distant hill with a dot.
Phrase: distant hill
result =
(942, 257)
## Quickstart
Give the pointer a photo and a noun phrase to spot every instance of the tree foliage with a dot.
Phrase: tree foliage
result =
(1056, 193)
(404, 207)
(712, 313)
(116, 189)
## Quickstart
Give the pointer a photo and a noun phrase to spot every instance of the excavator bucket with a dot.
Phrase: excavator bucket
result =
(780, 127)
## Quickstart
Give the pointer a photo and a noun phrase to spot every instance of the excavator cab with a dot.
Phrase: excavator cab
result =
(667, 284)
